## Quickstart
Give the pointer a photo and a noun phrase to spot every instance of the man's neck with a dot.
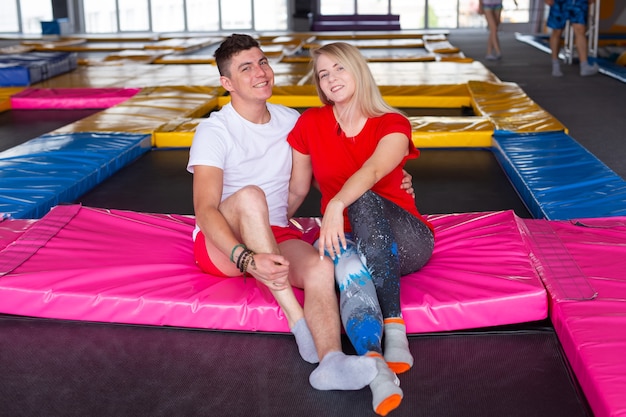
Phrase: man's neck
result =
(254, 112)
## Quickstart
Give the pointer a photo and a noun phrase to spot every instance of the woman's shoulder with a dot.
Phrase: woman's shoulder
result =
(317, 111)
(316, 114)
(392, 119)
(393, 116)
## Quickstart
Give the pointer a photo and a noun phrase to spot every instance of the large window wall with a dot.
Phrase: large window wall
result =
(431, 14)
(113, 16)
(24, 16)
(105, 16)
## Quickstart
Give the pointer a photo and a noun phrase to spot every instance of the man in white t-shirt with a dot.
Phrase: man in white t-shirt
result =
(241, 165)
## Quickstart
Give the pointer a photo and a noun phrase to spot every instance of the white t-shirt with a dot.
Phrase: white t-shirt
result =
(248, 154)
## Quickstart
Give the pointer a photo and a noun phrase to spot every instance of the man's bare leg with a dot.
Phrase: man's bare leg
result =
(336, 370)
(247, 215)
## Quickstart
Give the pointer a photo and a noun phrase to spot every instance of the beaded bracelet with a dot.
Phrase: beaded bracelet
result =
(249, 261)
(241, 258)
(244, 259)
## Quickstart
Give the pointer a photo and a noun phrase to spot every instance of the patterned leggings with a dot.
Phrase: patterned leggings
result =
(388, 242)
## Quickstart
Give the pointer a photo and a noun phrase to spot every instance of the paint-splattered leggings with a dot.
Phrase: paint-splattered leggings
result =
(388, 242)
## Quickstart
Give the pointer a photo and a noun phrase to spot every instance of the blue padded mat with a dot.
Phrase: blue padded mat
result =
(24, 69)
(611, 69)
(557, 178)
(54, 169)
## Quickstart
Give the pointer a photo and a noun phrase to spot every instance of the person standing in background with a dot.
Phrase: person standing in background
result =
(576, 11)
(492, 10)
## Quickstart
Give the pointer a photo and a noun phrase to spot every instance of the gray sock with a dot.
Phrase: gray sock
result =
(587, 69)
(556, 69)
(386, 392)
(397, 353)
(338, 371)
(305, 342)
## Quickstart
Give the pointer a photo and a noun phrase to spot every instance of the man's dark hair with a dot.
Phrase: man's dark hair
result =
(232, 45)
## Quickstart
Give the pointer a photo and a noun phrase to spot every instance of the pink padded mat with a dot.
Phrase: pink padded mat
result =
(71, 98)
(92, 264)
(582, 264)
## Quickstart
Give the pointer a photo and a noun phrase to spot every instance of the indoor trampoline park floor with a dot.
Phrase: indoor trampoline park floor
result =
(55, 367)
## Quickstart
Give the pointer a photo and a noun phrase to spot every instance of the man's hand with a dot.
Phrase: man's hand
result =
(270, 269)
(407, 183)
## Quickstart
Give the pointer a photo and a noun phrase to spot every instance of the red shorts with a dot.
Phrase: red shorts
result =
(281, 234)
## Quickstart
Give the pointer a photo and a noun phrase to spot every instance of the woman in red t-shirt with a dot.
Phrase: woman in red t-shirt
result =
(355, 147)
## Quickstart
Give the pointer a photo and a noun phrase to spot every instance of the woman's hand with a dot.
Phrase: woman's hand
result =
(332, 235)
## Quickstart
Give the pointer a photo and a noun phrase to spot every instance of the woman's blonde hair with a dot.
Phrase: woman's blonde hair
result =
(367, 96)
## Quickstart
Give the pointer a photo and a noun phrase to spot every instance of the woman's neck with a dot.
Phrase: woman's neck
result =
(350, 120)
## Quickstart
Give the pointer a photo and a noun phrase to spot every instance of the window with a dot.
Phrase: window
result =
(168, 15)
(512, 13)
(411, 13)
(442, 14)
(236, 15)
(436, 14)
(9, 21)
(270, 15)
(203, 15)
(24, 16)
(336, 7)
(100, 16)
(184, 15)
(111, 16)
(372, 7)
(133, 16)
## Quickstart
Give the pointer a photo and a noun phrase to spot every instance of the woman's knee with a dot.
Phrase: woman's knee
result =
(365, 207)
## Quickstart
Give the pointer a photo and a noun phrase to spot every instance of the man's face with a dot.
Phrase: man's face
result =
(251, 77)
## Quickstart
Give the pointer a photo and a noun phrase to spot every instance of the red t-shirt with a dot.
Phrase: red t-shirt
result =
(335, 157)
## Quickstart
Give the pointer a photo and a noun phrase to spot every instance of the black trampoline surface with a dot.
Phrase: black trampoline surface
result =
(19, 126)
(62, 368)
(445, 181)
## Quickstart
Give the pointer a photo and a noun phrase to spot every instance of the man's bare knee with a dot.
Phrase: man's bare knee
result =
(248, 200)
(250, 195)
(320, 275)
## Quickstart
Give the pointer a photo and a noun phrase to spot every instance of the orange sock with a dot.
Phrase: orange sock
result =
(386, 392)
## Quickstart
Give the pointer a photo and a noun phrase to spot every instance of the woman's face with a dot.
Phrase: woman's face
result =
(335, 81)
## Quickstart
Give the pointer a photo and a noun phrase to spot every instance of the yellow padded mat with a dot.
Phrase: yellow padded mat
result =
(428, 132)
(427, 96)
(429, 73)
(373, 43)
(413, 70)
(134, 76)
(186, 45)
(451, 132)
(148, 110)
(405, 34)
(5, 97)
(509, 108)
(177, 133)
(132, 56)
